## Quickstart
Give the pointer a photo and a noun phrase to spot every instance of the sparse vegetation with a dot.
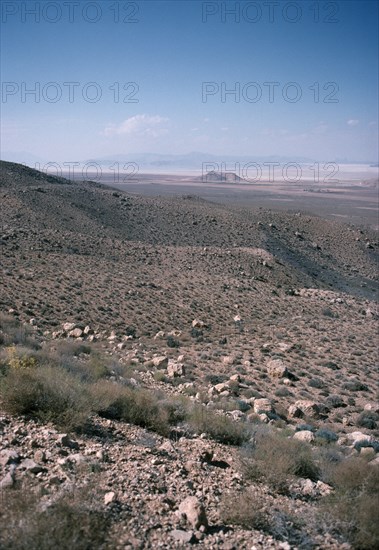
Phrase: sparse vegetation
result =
(256, 510)
(47, 394)
(368, 419)
(74, 520)
(144, 295)
(217, 426)
(134, 405)
(352, 507)
(276, 460)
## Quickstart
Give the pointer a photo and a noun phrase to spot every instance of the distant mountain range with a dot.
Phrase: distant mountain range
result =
(192, 161)
(195, 160)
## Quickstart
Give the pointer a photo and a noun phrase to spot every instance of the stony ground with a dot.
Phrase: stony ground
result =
(267, 317)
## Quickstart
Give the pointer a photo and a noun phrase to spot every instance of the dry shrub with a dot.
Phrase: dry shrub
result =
(46, 394)
(78, 359)
(72, 348)
(276, 460)
(133, 405)
(248, 509)
(89, 370)
(352, 509)
(255, 510)
(75, 520)
(217, 426)
(13, 333)
(69, 393)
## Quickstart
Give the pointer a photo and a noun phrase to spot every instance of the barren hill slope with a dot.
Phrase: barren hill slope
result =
(87, 253)
(251, 317)
(324, 252)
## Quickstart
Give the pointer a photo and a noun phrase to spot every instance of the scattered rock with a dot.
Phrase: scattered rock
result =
(262, 405)
(8, 457)
(160, 362)
(8, 480)
(196, 323)
(194, 511)
(206, 455)
(31, 466)
(304, 435)
(76, 333)
(236, 415)
(277, 369)
(63, 440)
(358, 437)
(40, 456)
(372, 407)
(284, 347)
(310, 489)
(182, 536)
(307, 408)
(175, 369)
(113, 336)
(221, 387)
(109, 497)
(67, 327)
(367, 452)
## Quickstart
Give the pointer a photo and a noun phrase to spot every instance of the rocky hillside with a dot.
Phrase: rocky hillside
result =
(207, 374)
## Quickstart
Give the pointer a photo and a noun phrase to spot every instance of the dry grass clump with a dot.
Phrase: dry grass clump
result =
(254, 510)
(248, 509)
(352, 509)
(14, 333)
(134, 405)
(276, 460)
(68, 394)
(69, 389)
(74, 520)
(217, 426)
(47, 394)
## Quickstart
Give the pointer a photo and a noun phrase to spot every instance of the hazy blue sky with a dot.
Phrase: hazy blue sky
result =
(322, 56)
